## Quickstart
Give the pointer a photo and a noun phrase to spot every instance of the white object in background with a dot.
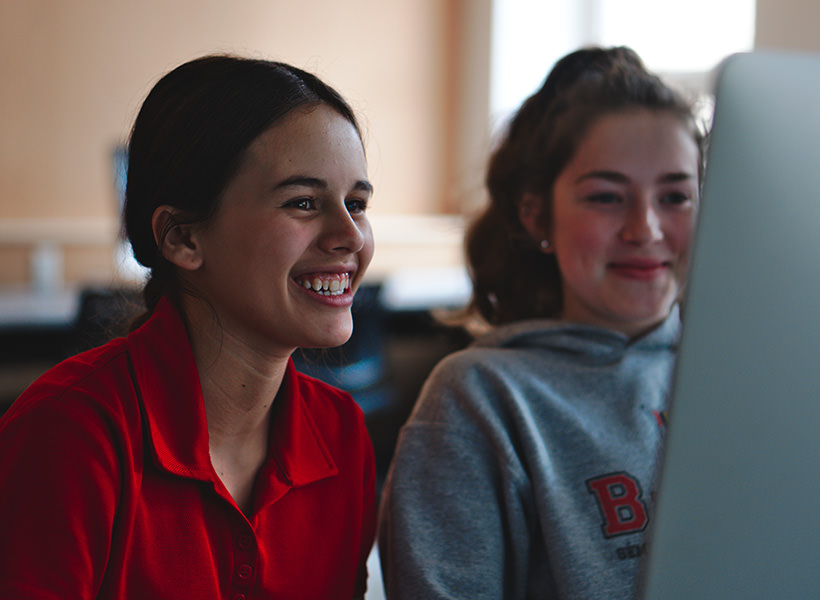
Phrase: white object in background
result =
(27, 308)
(425, 288)
(47, 268)
(126, 266)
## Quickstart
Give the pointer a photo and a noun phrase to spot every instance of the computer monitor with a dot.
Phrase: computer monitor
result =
(738, 503)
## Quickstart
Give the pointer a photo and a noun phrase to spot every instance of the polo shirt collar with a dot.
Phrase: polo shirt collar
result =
(171, 397)
(296, 441)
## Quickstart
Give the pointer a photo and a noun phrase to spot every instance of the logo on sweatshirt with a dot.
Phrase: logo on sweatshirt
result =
(621, 504)
(661, 417)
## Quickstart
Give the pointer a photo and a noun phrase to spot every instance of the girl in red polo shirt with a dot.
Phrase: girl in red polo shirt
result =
(189, 459)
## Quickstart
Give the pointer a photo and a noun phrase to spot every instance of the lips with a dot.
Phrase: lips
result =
(639, 268)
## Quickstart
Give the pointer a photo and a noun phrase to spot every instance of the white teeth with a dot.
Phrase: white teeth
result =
(327, 287)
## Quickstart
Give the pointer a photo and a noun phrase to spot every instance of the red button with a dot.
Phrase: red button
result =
(239, 597)
(244, 571)
(245, 542)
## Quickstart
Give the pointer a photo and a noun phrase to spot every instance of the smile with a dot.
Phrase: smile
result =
(640, 269)
(326, 284)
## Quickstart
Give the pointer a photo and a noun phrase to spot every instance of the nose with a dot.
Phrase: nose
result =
(341, 233)
(642, 224)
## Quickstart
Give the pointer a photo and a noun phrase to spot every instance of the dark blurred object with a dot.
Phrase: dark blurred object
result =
(26, 352)
(104, 314)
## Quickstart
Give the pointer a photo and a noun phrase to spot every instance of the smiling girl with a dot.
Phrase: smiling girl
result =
(190, 459)
(526, 468)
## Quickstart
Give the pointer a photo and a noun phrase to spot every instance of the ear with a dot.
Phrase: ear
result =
(532, 215)
(176, 241)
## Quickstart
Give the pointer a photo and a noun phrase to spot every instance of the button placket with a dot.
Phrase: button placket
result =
(245, 542)
(244, 571)
(246, 561)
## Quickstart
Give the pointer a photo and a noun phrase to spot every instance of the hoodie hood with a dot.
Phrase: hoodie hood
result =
(597, 344)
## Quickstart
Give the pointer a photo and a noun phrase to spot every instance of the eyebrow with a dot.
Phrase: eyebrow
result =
(617, 177)
(315, 182)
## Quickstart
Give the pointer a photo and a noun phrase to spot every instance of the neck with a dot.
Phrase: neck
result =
(238, 401)
(239, 383)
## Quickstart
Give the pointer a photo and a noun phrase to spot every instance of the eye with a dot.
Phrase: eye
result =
(356, 206)
(675, 198)
(604, 198)
(301, 203)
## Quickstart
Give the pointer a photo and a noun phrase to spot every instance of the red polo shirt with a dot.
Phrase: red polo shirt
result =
(107, 488)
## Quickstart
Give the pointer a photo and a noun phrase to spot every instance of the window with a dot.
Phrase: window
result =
(683, 41)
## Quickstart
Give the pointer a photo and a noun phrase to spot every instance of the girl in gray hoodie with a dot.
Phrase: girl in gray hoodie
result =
(526, 469)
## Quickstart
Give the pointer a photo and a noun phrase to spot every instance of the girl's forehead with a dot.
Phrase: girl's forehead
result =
(308, 137)
(624, 138)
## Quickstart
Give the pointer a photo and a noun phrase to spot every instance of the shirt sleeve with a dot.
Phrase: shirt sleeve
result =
(60, 480)
(455, 516)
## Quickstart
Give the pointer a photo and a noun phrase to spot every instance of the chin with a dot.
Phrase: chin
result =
(643, 308)
(332, 337)
(650, 320)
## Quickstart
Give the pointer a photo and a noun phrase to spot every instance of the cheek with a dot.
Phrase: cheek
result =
(225, 245)
(579, 259)
(680, 234)
(580, 241)
(368, 248)
(683, 248)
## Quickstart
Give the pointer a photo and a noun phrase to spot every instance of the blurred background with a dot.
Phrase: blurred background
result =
(432, 81)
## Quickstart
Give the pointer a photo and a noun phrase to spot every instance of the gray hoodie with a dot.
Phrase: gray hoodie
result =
(526, 469)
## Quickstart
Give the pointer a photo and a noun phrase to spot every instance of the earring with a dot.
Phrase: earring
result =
(544, 244)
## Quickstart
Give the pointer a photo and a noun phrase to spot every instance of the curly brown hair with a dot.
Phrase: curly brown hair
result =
(512, 278)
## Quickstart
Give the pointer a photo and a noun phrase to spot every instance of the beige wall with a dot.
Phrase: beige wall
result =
(788, 25)
(74, 73)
